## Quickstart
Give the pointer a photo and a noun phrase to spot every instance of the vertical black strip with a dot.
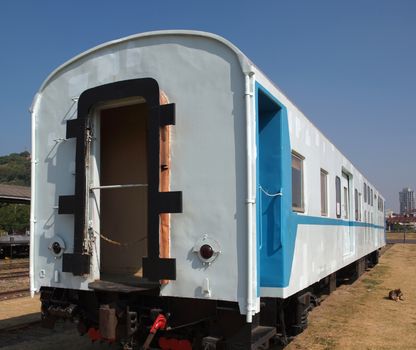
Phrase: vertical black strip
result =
(80, 188)
(153, 145)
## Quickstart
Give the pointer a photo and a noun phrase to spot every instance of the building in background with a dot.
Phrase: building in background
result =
(407, 201)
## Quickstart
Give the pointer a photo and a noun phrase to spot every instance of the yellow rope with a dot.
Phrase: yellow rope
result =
(111, 241)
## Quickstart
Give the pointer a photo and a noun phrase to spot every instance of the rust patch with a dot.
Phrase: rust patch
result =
(164, 183)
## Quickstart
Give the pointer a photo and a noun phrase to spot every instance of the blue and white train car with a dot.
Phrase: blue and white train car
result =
(180, 200)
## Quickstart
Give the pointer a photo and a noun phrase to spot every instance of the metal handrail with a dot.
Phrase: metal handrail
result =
(117, 186)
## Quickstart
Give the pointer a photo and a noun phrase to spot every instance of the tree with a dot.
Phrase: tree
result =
(15, 169)
(14, 217)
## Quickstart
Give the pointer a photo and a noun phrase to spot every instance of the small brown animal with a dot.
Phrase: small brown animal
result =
(396, 294)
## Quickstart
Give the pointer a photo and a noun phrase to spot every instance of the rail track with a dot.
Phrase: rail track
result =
(14, 265)
(11, 275)
(7, 261)
(16, 293)
(14, 276)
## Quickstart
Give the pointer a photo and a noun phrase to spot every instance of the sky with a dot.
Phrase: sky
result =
(350, 66)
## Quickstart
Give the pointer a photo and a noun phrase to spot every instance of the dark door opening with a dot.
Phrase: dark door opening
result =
(123, 211)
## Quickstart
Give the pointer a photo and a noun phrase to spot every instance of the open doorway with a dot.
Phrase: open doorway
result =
(269, 184)
(123, 210)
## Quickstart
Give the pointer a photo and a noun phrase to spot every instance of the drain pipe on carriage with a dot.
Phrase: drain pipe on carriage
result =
(34, 161)
(251, 199)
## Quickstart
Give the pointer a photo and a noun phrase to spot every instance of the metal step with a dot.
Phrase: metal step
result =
(260, 337)
(107, 286)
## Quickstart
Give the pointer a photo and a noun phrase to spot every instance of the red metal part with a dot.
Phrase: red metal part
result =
(160, 323)
(174, 344)
(94, 334)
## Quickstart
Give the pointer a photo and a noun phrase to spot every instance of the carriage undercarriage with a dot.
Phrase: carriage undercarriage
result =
(138, 318)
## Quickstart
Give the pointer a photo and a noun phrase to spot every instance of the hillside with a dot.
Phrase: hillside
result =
(15, 169)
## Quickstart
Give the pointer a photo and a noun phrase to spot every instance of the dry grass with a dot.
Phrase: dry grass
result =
(361, 316)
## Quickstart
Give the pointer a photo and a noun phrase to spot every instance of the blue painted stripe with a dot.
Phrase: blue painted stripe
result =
(324, 221)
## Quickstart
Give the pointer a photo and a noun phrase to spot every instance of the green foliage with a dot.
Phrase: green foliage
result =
(14, 217)
(15, 169)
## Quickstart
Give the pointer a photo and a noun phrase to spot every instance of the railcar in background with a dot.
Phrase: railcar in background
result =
(14, 246)
(181, 200)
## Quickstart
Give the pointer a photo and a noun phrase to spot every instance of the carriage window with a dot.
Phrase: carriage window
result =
(359, 207)
(338, 196)
(371, 197)
(356, 204)
(324, 193)
(297, 182)
(365, 193)
(346, 203)
(368, 195)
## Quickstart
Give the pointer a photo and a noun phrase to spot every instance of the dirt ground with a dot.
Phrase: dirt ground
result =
(360, 316)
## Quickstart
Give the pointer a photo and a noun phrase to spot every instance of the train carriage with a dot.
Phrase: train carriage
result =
(180, 200)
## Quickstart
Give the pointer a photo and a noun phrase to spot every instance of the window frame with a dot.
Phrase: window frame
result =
(356, 204)
(323, 174)
(301, 159)
(365, 192)
(338, 211)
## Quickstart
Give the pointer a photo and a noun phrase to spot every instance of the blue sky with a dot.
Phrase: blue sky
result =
(349, 65)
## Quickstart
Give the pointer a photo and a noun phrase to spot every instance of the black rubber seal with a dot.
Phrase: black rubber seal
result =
(78, 262)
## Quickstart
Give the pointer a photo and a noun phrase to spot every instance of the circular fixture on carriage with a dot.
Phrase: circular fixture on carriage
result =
(57, 246)
(207, 249)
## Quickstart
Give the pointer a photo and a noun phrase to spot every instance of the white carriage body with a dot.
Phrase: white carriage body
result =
(213, 148)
